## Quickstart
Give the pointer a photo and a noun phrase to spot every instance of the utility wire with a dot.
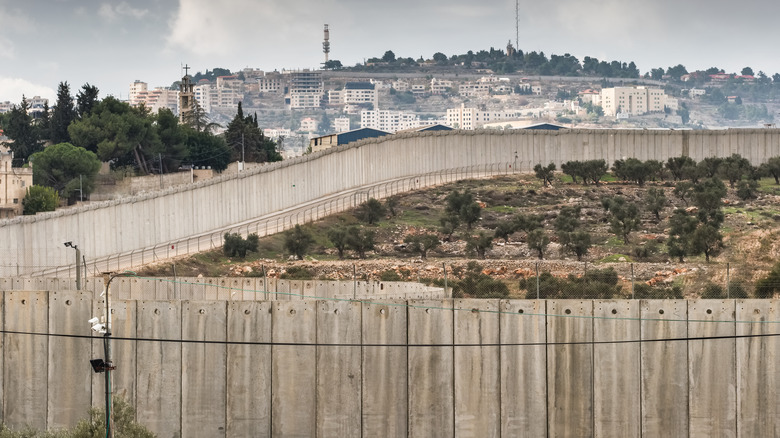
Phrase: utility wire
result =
(415, 345)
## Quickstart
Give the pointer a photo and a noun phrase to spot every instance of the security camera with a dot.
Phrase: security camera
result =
(68, 244)
(100, 328)
(94, 320)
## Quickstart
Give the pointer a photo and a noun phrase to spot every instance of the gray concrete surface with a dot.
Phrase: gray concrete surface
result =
(400, 368)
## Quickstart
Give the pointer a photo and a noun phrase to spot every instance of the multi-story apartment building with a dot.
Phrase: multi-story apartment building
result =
(205, 93)
(270, 83)
(360, 93)
(470, 89)
(308, 125)
(154, 99)
(305, 89)
(341, 124)
(388, 121)
(440, 86)
(633, 101)
(472, 118)
(35, 105)
(14, 182)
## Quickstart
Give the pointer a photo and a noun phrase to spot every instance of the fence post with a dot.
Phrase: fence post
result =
(728, 280)
(265, 283)
(537, 280)
(354, 281)
(632, 281)
(444, 265)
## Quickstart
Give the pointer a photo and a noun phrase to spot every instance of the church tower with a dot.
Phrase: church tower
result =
(186, 95)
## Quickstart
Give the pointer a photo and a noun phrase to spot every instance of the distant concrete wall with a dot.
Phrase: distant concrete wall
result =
(478, 368)
(232, 288)
(29, 244)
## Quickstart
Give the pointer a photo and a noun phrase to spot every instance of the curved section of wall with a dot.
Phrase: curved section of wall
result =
(29, 244)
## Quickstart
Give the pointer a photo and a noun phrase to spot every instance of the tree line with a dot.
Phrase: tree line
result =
(67, 143)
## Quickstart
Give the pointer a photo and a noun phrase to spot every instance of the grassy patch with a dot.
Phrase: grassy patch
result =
(615, 258)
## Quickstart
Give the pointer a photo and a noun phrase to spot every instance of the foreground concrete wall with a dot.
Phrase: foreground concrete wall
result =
(31, 244)
(218, 368)
(232, 288)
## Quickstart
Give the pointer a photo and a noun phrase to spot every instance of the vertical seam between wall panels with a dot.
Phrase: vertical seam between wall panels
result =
(499, 381)
(546, 375)
(593, 367)
(227, 361)
(736, 375)
(641, 393)
(454, 403)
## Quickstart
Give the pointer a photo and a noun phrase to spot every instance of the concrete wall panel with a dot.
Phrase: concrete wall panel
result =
(431, 365)
(523, 375)
(339, 376)
(758, 399)
(203, 378)
(123, 351)
(249, 369)
(26, 362)
(664, 375)
(616, 382)
(570, 368)
(294, 378)
(712, 368)
(477, 374)
(160, 370)
(69, 380)
(384, 396)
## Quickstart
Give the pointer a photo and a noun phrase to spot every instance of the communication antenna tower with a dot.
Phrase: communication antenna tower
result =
(326, 43)
(517, 24)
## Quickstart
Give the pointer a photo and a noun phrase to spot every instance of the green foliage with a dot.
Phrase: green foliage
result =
(338, 237)
(708, 198)
(297, 273)
(86, 100)
(124, 425)
(390, 275)
(681, 228)
(464, 207)
(206, 149)
(63, 113)
(772, 168)
(733, 168)
(297, 241)
(504, 230)
(747, 189)
(116, 131)
(391, 204)
(370, 211)
(422, 243)
(19, 128)
(683, 190)
(645, 291)
(767, 286)
(655, 201)
(590, 171)
(595, 284)
(680, 167)
(237, 246)
(624, 217)
(66, 168)
(40, 198)
(361, 241)
(243, 133)
(632, 169)
(537, 240)
(706, 239)
(173, 138)
(545, 173)
(476, 284)
(713, 291)
(479, 244)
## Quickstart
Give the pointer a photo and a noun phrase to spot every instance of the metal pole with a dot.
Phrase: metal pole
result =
(78, 267)
(161, 170)
(81, 189)
(632, 281)
(354, 281)
(537, 280)
(728, 280)
(444, 265)
(107, 348)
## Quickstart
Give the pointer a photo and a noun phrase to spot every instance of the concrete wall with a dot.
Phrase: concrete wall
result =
(30, 244)
(472, 368)
(232, 288)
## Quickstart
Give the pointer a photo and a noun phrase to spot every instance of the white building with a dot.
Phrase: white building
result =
(472, 118)
(154, 99)
(633, 101)
(440, 86)
(341, 124)
(472, 89)
(308, 125)
(389, 121)
(305, 90)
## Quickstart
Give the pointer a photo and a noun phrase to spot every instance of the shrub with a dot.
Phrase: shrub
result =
(236, 246)
(297, 273)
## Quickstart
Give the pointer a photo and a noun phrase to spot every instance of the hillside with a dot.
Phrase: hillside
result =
(750, 249)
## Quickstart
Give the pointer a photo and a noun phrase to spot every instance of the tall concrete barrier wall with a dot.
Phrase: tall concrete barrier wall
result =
(472, 368)
(232, 288)
(162, 219)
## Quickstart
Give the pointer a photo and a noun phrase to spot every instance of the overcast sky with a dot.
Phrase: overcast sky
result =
(111, 44)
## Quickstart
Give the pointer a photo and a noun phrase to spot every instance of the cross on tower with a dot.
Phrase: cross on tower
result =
(186, 69)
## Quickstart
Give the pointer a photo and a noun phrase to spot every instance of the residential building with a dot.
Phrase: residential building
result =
(305, 89)
(270, 83)
(632, 101)
(154, 99)
(308, 125)
(275, 133)
(471, 89)
(696, 92)
(418, 89)
(440, 86)
(341, 124)
(360, 93)
(14, 182)
(388, 121)
(472, 118)
(205, 93)
(400, 85)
